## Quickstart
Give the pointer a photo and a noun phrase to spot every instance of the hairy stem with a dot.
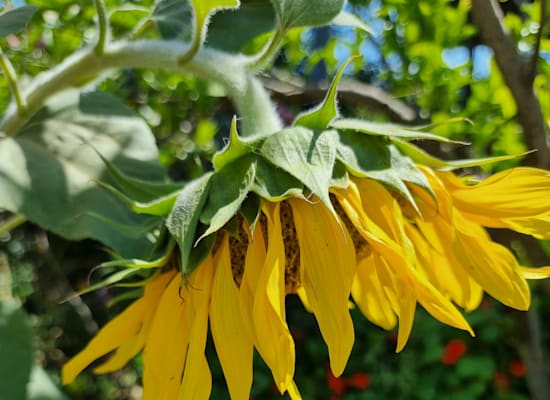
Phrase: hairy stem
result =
(252, 101)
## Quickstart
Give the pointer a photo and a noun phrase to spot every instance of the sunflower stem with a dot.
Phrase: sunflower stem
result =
(252, 101)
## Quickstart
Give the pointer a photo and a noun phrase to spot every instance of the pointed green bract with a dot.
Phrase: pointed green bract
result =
(386, 129)
(321, 116)
(236, 148)
(12, 21)
(421, 157)
(229, 188)
(345, 18)
(250, 209)
(161, 206)
(294, 13)
(307, 155)
(184, 218)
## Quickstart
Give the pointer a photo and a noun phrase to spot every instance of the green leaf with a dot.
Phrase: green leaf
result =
(16, 351)
(173, 17)
(41, 386)
(236, 148)
(228, 190)
(320, 117)
(48, 171)
(421, 157)
(306, 155)
(111, 280)
(275, 184)
(199, 252)
(253, 18)
(295, 13)
(184, 218)
(345, 18)
(386, 129)
(12, 21)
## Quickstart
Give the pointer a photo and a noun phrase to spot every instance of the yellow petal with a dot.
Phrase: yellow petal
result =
(368, 294)
(535, 273)
(165, 350)
(492, 265)
(275, 344)
(122, 329)
(233, 347)
(327, 260)
(196, 383)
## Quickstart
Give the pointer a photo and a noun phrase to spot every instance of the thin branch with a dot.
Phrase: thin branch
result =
(488, 17)
(102, 26)
(11, 78)
(11, 223)
(532, 72)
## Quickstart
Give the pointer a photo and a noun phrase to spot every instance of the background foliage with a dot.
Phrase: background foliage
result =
(423, 63)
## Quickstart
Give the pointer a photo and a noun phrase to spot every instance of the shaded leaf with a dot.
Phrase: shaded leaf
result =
(273, 183)
(295, 13)
(12, 21)
(172, 17)
(16, 351)
(48, 171)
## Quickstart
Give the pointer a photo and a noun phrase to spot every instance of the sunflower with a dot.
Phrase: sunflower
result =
(335, 211)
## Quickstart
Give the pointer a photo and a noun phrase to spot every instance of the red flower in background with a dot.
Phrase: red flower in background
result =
(517, 368)
(454, 350)
(359, 381)
(501, 381)
(336, 384)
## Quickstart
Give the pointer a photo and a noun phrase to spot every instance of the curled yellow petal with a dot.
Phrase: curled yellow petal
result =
(119, 332)
(535, 273)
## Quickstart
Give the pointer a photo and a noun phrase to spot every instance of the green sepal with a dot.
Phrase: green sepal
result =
(250, 209)
(112, 280)
(142, 264)
(184, 218)
(421, 157)
(161, 206)
(375, 158)
(139, 189)
(386, 129)
(199, 252)
(229, 187)
(236, 147)
(320, 116)
(307, 155)
(273, 183)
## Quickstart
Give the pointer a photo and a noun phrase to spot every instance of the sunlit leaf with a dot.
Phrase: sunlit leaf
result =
(294, 13)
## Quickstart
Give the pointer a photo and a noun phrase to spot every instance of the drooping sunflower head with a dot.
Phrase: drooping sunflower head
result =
(331, 213)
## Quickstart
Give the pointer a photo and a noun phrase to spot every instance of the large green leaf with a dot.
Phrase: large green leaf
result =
(16, 351)
(184, 218)
(294, 13)
(12, 21)
(307, 155)
(48, 172)
(273, 183)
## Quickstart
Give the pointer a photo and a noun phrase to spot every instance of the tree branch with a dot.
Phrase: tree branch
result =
(536, 52)
(488, 17)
